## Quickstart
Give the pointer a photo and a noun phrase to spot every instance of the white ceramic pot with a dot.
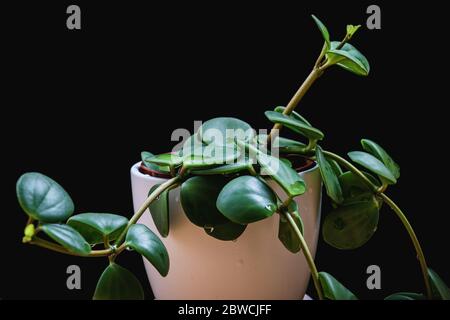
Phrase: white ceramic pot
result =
(255, 266)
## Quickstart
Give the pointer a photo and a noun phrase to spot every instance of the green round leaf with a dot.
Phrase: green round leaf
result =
(159, 209)
(351, 30)
(29, 231)
(68, 237)
(351, 226)
(247, 199)
(295, 125)
(323, 30)
(371, 163)
(288, 146)
(286, 233)
(349, 58)
(147, 155)
(406, 296)
(198, 198)
(211, 155)
(285, 176)
(294, 115)
(224, 169)
(190, 145)
(43, 199)
(165, 159)
(377, 151)
(144, 241)
(333, 289)
(117, 283)
(222, 131)
(226, 232)
(329, 177)
(439, 288)
(353, 187)
(95, 227)
(335, 166)
(286, 162)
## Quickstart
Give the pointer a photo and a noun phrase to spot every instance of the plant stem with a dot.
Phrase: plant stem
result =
(145, 205)
(118, 251)
(30, 220)
(379, 192)
(308, 256)
(106, 242)
(252, 170)
(415, 241)
(55, 247)
(322, 54)
(312, 77)
(343, 42)
(286, 202)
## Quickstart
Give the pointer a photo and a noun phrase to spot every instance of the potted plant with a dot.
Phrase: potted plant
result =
(238, 210)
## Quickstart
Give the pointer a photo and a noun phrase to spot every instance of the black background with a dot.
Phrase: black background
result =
(79, 106)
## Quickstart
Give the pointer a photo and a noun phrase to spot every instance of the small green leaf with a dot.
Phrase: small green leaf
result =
(211, 155)
(68, 237)
(198, 198)
(117, 283)
(295, 115)
(377, 151)
(144, 241)
(192, 143)
(351, 30)
(353, 185)
(286, 233)
(286, 162)
(329, 177)
(335, 166)
(247, 199)
(349, 58)
(351, 226)
(333, 289)
(43, 199)
(28, 233)
(406, 296)
(226, 232)
(285, 176)
(147, 155)
(295, 125)
(159, 209)
(29, 230)
(222, 131)
(353, 188)
(224, 169)
(95, 227)
(288, 146)
(166, 159)
(323, 30)
(373, 164)
(439, 288)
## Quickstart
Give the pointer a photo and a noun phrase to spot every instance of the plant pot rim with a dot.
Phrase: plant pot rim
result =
(139, 170)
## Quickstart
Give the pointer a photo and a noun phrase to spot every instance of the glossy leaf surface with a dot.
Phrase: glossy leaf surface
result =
(43, 199)
(67, 237)
(351, 226)
(333, 289)
(330, 180)
(95, 227)
(118, 283)
(247, 199)
(144, 241)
